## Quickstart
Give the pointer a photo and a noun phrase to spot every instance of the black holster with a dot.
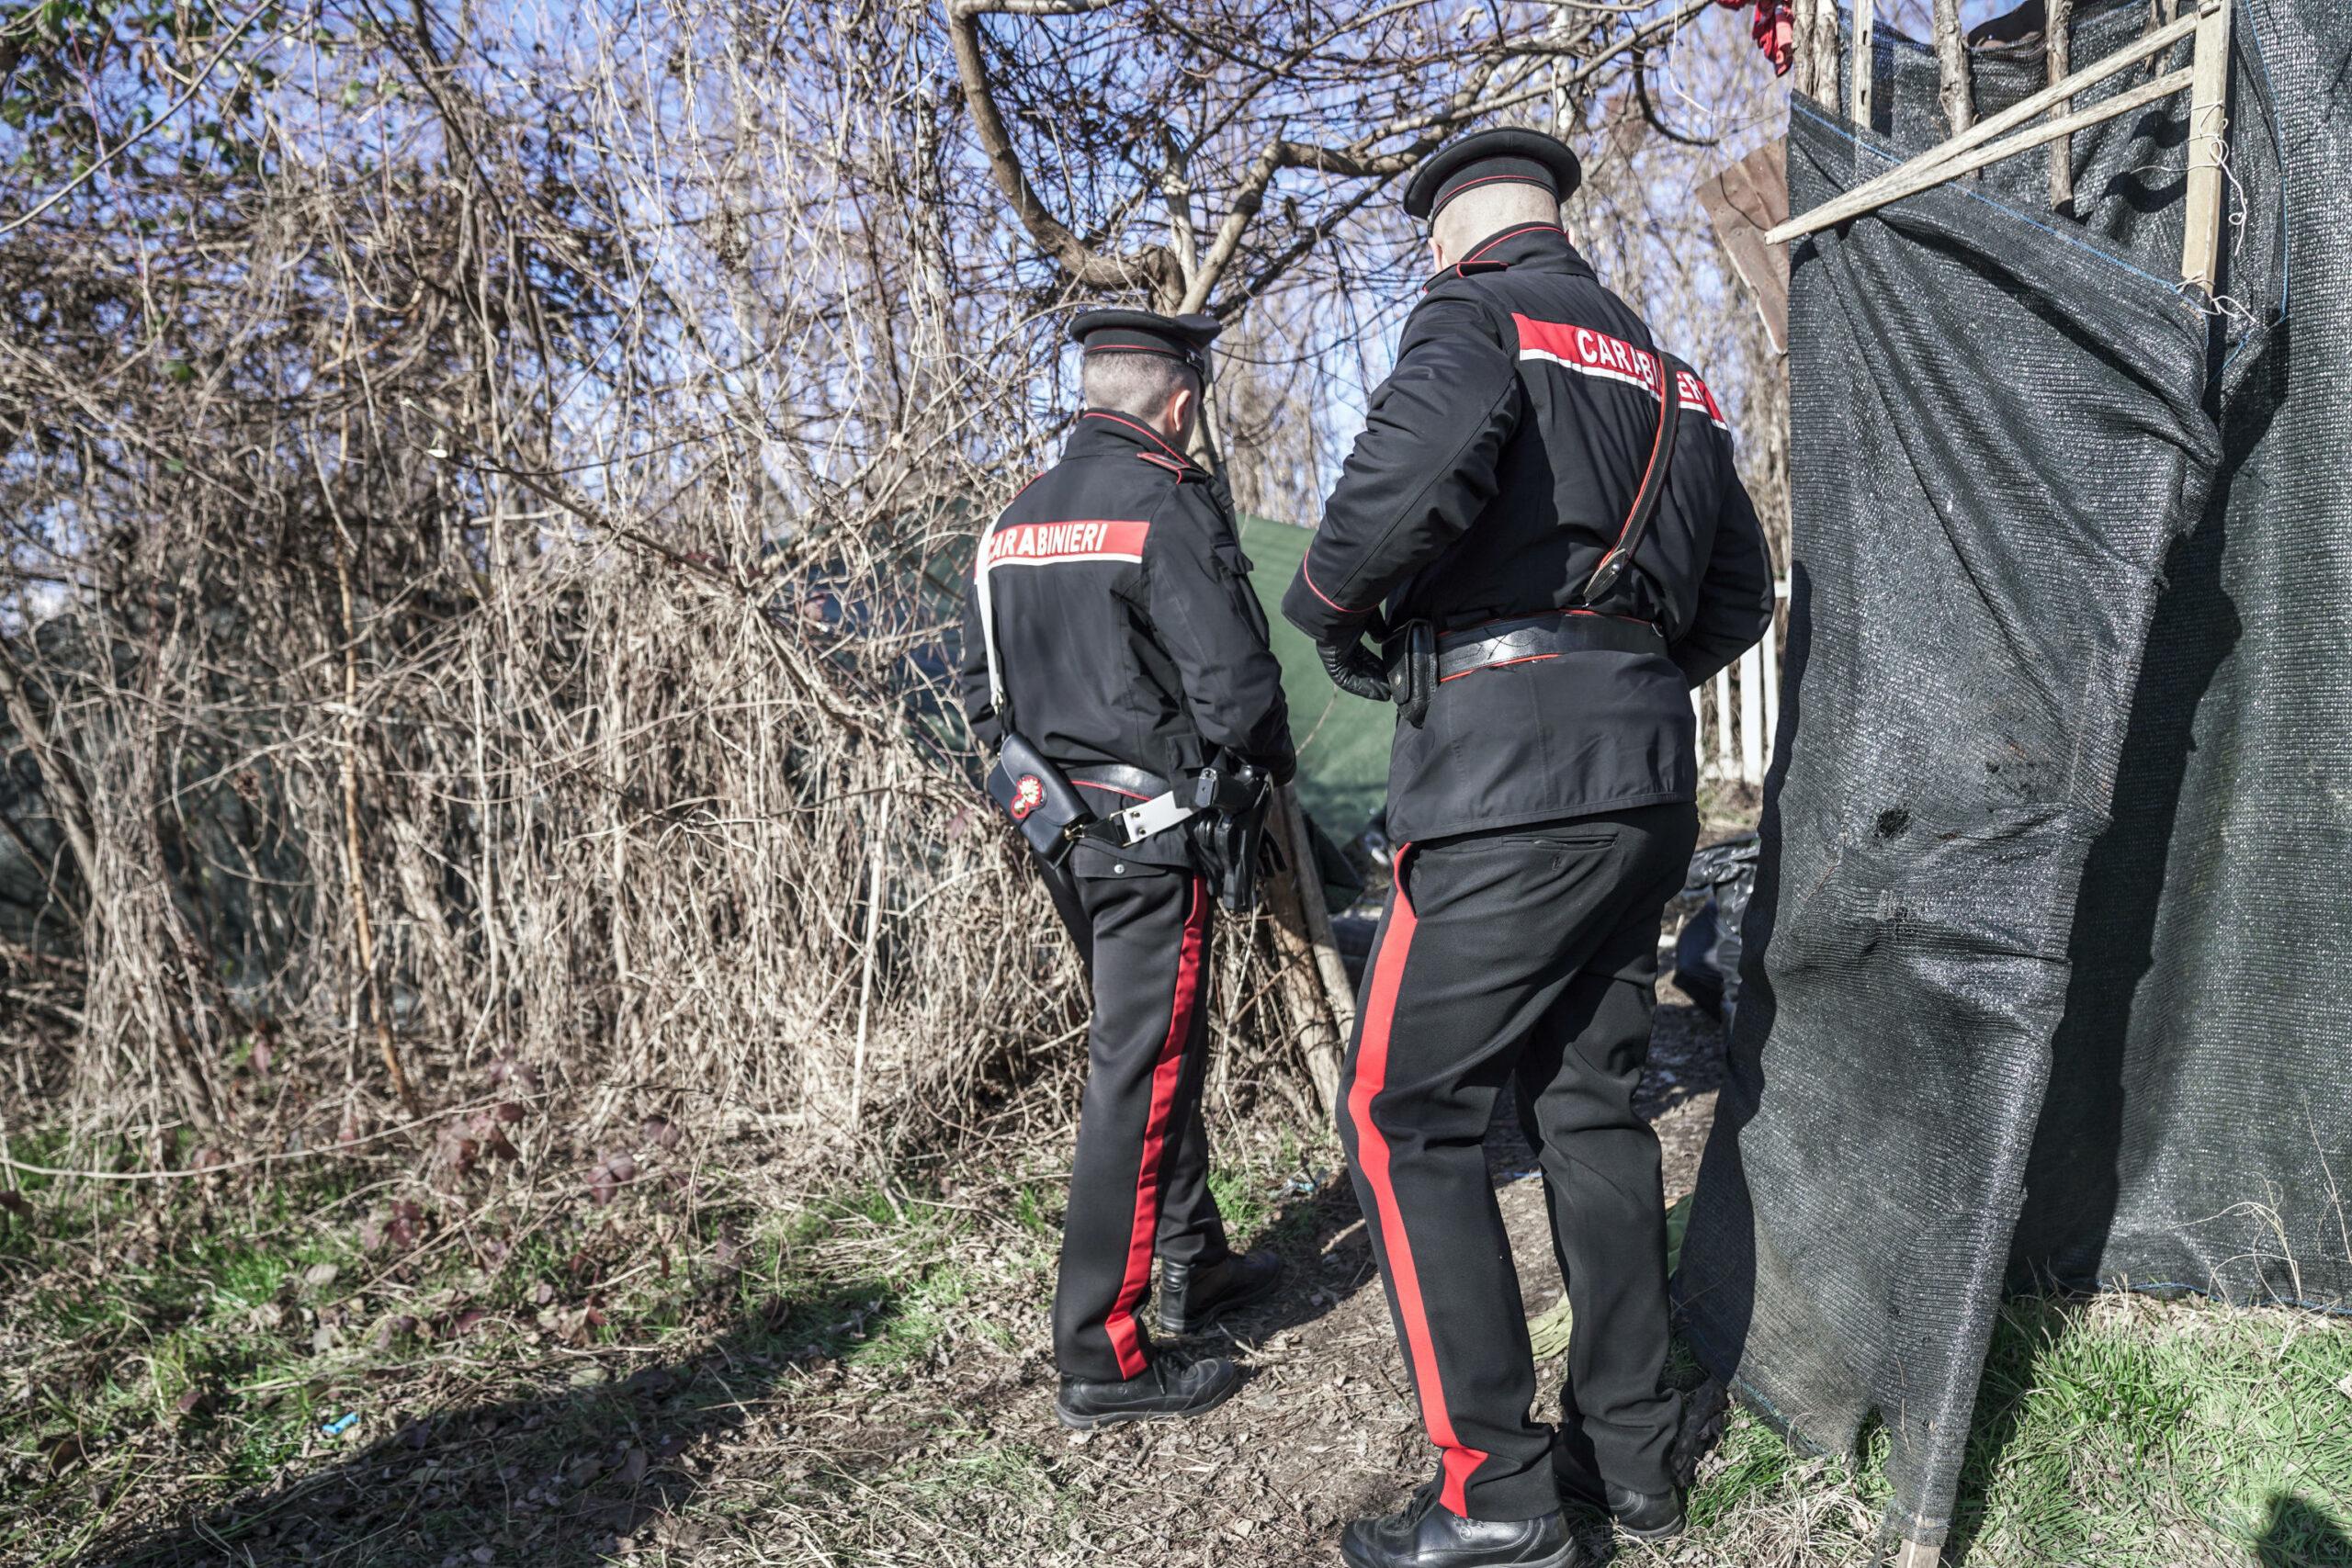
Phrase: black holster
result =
(1410, 653)
(1229, 833)
(1039, 798)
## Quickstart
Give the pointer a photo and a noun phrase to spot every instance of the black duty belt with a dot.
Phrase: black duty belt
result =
(1154, 805)
(1119, 779)
(1523, 637)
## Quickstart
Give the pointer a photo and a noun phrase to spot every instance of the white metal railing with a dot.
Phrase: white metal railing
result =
(1739, 710)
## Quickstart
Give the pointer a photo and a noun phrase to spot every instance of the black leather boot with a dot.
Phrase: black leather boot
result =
(1645, 1515)
(1193, 1294)
(1427, 1535)
(1170, 1388)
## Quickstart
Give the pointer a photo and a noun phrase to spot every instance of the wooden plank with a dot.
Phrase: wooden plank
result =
(1741, 200)
(2058, 48)
(1865, 54)
(1864, 198)
(2209, 124)
(1917, 1555)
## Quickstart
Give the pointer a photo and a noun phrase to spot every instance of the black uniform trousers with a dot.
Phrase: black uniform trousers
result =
(1524, 955)
(1140, 1180)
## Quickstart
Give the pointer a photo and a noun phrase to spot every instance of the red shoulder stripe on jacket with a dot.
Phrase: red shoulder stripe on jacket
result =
(1052, 543)
(1590, 352)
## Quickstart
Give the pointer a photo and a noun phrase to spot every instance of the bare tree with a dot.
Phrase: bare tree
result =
(485, 507)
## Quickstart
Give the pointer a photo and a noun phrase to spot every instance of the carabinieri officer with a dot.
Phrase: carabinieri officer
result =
(1543, 521)
(1131, 654)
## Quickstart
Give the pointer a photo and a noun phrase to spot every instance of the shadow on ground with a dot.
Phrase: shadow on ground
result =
(2301, 1536)
(565, 1474)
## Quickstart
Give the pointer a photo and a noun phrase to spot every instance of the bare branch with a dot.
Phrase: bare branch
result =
(1153, 268)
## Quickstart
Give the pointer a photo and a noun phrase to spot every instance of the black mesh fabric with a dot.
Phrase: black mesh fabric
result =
(2048, 973)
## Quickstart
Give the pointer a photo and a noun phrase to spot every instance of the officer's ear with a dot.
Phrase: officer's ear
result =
(1177, 418)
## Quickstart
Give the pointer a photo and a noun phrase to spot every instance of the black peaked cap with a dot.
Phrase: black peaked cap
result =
(1513, 154)
(1145, 331)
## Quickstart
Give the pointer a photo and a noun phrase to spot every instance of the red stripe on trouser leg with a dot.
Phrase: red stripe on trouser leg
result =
(1371, 1159)
(1126, 1343)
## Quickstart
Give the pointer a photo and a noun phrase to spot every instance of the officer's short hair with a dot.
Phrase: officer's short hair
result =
(1137, 384)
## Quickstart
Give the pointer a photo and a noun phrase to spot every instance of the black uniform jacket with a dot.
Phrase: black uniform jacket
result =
(1496, 467)
(1125, 625)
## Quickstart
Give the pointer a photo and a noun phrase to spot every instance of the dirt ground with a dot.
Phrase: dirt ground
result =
(1323, 1430)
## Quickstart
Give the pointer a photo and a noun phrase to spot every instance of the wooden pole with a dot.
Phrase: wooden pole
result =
(1825, 51)
(2209, 124)
(1952, 68)
(1800, 27)
(1312, 940)
(2058, 48)
(1863, 66)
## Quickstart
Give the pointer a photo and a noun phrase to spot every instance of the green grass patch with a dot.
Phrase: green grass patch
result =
(2109, 1433)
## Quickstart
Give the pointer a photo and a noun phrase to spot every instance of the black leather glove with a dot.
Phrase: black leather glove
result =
(1355, 670)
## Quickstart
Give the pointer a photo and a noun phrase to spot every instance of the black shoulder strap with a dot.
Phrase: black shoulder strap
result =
(1645, 499)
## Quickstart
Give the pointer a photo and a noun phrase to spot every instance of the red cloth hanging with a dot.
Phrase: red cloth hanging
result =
(1774, 31)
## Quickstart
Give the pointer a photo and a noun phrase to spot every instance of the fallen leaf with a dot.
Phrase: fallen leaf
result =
(659, 1130)
(65, 1452)
(319, 1276)
(16, 1203)
(634, 1467)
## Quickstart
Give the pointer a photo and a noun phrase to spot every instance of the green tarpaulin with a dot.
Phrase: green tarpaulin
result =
(1342, 741)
